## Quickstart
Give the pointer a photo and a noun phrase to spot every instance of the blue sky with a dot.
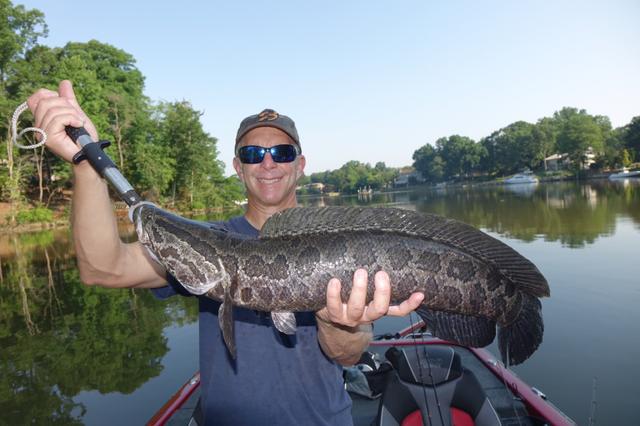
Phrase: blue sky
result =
(371, 81)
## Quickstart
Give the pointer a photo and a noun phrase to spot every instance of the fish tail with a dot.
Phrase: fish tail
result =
(520, 339)
(463, 329)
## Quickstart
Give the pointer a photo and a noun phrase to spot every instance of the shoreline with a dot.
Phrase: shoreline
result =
(121, 213)
(64, 221)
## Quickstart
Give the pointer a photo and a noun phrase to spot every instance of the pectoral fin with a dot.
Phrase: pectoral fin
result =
(285, 322)
(225, 318)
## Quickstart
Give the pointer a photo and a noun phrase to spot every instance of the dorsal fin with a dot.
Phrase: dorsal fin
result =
(320, 220)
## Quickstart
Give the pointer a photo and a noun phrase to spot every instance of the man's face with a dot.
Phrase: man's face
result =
(268, 183)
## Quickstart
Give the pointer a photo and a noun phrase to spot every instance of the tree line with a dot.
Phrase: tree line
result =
(353, 176)
(160, 146)
(522, 145)
(517, 147)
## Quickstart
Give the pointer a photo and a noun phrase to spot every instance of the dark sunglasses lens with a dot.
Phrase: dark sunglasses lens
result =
(283, 153)
(251, 154)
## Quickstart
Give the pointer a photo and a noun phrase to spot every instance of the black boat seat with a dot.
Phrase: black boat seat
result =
(431, 380)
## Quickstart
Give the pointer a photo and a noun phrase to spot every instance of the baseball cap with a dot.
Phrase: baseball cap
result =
(268, 118)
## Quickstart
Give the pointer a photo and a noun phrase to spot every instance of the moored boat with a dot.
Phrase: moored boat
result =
(625, 173)
(410, 376)
(525, 177)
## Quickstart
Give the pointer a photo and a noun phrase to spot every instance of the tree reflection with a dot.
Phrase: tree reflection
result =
(59, 337)
(570, 213)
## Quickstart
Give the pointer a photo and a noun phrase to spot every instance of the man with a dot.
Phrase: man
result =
(276, 379)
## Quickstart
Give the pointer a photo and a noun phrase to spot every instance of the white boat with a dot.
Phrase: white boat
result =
(524, 177)
(625, 173)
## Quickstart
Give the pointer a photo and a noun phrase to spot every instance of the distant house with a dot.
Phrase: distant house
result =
(314, 188)
(562, 161)
(408, 176)
(557, 162)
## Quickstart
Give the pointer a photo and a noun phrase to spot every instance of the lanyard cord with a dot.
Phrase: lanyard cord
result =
(15, 135)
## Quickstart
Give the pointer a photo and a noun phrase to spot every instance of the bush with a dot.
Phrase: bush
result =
(34, 215)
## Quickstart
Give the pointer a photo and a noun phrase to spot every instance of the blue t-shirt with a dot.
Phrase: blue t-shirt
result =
(276, 379)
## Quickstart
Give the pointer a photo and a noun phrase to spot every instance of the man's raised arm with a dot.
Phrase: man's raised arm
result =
(103, 258)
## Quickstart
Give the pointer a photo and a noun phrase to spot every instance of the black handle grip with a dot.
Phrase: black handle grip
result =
(101, 163)
(75, 132)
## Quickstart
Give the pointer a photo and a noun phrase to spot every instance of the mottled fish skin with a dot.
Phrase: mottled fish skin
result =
(283, 273)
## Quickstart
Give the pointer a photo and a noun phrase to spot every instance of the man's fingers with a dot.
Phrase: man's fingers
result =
(65, 89)
(37, 102)
(334, 300)
(406, 307)
(45, 106)
(57, 117)
(358, 296)
(381, 298)
(34, 99)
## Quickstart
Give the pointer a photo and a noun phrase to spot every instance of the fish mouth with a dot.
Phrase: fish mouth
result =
(139, 215)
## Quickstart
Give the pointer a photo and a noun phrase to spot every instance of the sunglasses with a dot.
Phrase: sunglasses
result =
(254, 154)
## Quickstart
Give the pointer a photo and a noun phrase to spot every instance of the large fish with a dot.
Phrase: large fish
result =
(471, 281)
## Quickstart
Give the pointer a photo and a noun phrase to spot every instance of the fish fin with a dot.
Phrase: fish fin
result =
(225, 318)
(459, 328)
(312, 220)
(285, 322)
(520, 339)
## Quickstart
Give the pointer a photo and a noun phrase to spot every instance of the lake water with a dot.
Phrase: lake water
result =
(72, 354)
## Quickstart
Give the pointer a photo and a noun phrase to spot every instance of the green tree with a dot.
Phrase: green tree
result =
(514, 148)
(632, 136)
(428, 162)
(109, 88)
(197, 181)
(20, 29)
(545, 133)
(460, 155)
(613, 151)
(578, 133)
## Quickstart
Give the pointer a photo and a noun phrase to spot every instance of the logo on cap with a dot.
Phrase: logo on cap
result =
(268, 115)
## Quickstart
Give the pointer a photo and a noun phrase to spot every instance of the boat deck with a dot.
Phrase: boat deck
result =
(510, 408)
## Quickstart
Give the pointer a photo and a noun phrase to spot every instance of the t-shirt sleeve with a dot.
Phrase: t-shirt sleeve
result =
(172, 288)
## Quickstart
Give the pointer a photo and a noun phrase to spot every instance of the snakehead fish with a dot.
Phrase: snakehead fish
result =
(472, 282)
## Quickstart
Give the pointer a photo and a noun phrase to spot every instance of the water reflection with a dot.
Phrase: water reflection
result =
(573, 214)
(59, 338)
(524, 189)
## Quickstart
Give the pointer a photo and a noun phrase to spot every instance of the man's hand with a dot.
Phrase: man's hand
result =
(356, 311)
(344, 329)
(53, 111)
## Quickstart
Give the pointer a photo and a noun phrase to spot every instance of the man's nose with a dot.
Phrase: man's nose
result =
(268, 162)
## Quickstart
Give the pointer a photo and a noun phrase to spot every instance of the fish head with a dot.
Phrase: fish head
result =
(187, 249)
(143, 218)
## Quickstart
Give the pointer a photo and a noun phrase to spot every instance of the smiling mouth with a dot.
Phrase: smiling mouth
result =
(269, 181)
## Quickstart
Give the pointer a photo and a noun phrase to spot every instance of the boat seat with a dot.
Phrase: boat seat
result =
(430, 382)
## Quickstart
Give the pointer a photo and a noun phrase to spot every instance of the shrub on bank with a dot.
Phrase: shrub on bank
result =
(34, 215)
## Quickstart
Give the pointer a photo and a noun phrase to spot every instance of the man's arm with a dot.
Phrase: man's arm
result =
(102, 257)
(344, 329)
